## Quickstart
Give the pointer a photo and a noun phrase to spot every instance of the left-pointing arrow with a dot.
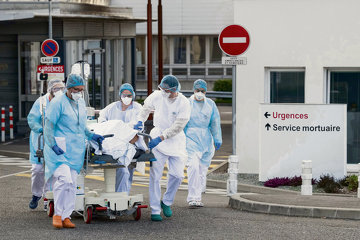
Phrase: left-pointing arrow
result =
(267, 126)
(267, 115)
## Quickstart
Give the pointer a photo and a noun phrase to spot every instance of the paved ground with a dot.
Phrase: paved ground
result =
(215, 221)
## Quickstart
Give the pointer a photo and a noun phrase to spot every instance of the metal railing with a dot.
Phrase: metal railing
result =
(188, 93)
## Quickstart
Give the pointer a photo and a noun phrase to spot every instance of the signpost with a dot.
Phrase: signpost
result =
(49, 47)
(233, 40)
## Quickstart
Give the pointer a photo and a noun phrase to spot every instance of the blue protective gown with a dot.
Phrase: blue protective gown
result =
(35, 123)
(65, 118)
(203, 129)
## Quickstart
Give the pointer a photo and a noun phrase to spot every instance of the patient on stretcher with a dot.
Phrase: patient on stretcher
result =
(123, 145)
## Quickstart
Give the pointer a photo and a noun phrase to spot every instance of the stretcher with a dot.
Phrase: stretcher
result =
(105, 202)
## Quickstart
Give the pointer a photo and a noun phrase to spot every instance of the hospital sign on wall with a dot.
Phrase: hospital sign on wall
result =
(234, 40)
(290, 133)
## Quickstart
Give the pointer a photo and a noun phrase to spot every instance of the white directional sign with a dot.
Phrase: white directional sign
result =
(290, 133)
(234, 60)
(50, 60)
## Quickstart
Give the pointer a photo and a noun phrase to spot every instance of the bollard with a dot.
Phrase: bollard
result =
(2, 124)
(233, 172)
(358, 190)
(306, 176)
(11, 122)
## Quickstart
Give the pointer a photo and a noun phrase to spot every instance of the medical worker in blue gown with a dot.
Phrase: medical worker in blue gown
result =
(65, 134)
(38, 188)
(126, 110)
(203, 137)
(171, 114)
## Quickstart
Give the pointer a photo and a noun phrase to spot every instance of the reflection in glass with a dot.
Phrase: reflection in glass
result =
(287, 87)
(215, 51)
(197, 49)
(345, 89)
(179, 50)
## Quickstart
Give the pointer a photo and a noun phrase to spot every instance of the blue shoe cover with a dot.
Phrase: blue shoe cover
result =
(156, 217)
(166, 210)
(34, 202)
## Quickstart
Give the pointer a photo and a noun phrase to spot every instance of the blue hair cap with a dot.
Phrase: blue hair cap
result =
(127, 86)
(200, 84)
(74, 80)
(170, 82)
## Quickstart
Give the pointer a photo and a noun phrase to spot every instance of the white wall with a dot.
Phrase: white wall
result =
(314, 34)
(184, 16)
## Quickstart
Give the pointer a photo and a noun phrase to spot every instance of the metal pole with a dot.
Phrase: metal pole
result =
(149, 47)
(234, 109)
(50, 20)
(133, 63)
(160, 42)
(93, 76)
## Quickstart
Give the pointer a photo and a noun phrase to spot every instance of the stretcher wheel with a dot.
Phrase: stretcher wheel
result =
(137, 214)
(88, 214)
(50, 209)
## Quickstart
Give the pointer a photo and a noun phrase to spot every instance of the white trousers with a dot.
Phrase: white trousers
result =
(64, 191)
(124, 178)
(196, 172)
(38, 186)
(175, 176)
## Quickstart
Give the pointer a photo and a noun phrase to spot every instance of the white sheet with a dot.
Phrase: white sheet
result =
(117, 146)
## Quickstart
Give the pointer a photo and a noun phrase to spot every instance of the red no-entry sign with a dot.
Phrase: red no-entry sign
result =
(234, 40)
(49, 47)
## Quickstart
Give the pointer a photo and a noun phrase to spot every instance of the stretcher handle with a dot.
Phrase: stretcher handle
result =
(104, 136)
(145, 135)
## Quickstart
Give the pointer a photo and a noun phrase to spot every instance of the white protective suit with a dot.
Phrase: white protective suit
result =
(170, 118)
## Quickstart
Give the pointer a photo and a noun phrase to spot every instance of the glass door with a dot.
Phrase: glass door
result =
(345, 88)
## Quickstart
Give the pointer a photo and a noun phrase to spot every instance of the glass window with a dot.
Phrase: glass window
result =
(30, 59)
(216, 71)
(197, 49)
(345, 89)
(197, 71)
(287, 87)
(179, 49)
(166, 50)
(179, 71)
(215, 51)
(140, 50)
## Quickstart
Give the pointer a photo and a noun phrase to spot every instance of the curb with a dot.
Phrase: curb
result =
(14, 154)
(237, 202)
(247, 188)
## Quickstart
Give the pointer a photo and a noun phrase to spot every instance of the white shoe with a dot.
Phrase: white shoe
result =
(192, 204)
(199, 204)
(45, 206)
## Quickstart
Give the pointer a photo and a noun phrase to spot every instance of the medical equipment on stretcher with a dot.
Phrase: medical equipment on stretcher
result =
(106, 203)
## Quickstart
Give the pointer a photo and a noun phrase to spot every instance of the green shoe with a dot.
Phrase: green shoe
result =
(166, 209)
(156, 217)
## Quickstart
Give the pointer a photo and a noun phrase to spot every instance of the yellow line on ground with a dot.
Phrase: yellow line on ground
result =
(140, 185)
(23, 175)
(95, 178)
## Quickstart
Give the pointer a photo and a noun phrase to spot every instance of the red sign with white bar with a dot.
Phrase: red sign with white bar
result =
(234, 40)
(50, 69)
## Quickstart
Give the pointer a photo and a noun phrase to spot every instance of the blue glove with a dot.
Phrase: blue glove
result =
(97, 138)
(40, 130)
(138, 126)
(154, 142)
(57, 150)
(217, 145)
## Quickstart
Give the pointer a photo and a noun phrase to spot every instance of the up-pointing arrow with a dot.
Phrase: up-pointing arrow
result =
(267, 126)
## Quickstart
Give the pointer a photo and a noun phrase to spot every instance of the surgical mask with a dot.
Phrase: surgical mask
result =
(58, 93)
(126, 100)
(199, 96)
(165, 94)
(76, 96)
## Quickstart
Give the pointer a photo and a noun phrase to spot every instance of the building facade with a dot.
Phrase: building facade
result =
(190, 39)
(93, 31)
(305, 52)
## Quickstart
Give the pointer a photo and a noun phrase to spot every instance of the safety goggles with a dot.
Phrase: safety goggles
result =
(198, 90)
(56, 89)
(168, 90)
(123, 95)
(76, 90)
